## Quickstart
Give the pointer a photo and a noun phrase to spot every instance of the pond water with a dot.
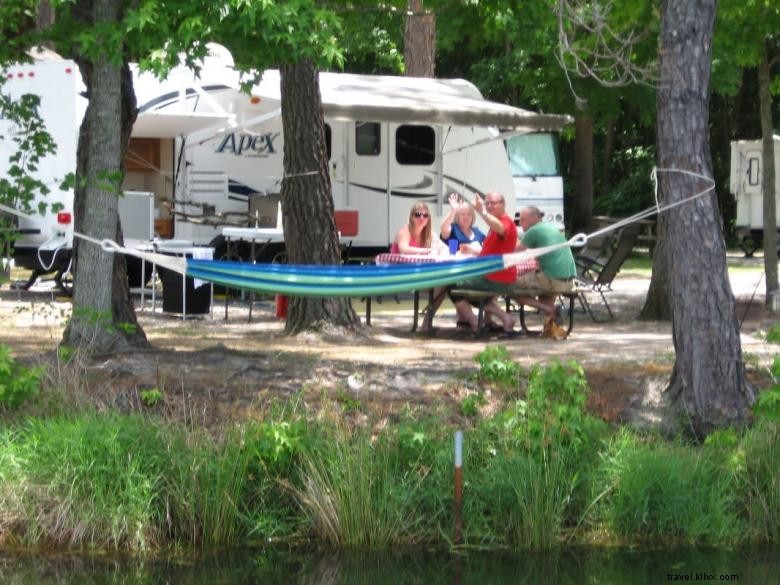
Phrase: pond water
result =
(571, 565)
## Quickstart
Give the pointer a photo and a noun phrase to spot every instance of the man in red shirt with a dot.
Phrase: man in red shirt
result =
(501, 239)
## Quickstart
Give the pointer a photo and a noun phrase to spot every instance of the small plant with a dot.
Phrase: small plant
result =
(65, 353)
(767, 405)
(17, 383)
(348, 402)
(722, 439)
(470, 405)
(277, 445)
(151, 397)
(495, 365)
(773, 335)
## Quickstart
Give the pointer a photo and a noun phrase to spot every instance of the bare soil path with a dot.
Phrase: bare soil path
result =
(214, 370)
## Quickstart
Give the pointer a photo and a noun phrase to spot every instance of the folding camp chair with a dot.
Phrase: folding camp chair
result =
(596, 276)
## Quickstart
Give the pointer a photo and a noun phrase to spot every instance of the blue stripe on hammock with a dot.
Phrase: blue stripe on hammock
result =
(337, 280)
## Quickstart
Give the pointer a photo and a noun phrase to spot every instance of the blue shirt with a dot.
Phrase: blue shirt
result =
(457, 234)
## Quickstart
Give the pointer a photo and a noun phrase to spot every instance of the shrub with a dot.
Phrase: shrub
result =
(495, 365)
(17, 383)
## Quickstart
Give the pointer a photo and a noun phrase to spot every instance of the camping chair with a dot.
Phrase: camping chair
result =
(595, 276)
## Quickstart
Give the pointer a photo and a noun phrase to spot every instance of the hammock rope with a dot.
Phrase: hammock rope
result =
(365, 280)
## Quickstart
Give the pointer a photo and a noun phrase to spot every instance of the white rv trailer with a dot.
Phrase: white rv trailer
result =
(205, 149)
(745, 184)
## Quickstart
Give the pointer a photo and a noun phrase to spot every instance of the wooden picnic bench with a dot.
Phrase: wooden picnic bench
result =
(481, 298)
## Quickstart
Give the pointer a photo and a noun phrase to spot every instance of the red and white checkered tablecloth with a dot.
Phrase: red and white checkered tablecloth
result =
(524, 267)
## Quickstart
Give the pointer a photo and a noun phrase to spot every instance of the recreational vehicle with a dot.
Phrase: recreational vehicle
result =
(209, 155)
(745, 184)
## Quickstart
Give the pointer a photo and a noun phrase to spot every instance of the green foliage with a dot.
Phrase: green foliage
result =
(541, 488)
(761, 485)
(348, 402)
(495, 365)
(28, 143)
(413, 441)
(767, 405)
(556, 404)
(360, 494)
(17, 383)
(773, 335)
(631, 191)
(65, 353)
(151, 396)
(277, 445)
(470, 405)
(722, 439)
(667, 492)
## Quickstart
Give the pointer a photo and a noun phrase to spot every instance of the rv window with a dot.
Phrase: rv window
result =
(415, 145)
(328, 137)
(533, 155)
(367, 138)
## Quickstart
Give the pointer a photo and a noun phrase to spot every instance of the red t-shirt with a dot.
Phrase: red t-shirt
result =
(495, 244)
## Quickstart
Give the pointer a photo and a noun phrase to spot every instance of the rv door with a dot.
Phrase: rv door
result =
(368, 189)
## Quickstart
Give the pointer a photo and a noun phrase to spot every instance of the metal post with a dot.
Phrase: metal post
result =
(458, 538)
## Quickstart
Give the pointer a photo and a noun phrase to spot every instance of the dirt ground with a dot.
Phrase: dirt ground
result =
(213, 370)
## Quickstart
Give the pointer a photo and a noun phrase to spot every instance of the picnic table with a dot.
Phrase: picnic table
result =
(524, 267)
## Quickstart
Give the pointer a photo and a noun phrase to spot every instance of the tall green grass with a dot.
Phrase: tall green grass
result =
(662, 492)
(540, 488)
(120, 482)
(759, 454)
(361, 493)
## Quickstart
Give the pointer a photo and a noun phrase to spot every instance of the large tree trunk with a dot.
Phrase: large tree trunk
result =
(420, 41)
(609, 150)
(582, 212)
(768, 177)
(103, 317)
(708, 382)
(658, 304)
(307, 200)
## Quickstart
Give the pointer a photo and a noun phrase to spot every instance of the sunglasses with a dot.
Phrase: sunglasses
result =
(420, 214)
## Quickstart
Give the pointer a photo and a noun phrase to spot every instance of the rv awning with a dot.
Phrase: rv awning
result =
(385, 98)
(155, 124)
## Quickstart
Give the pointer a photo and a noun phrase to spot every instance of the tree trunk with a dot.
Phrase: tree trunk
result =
(708, 382)
(103, 318)
(583, 173)
(420, 41)
(609, 150)
(768, 177)
(658, 305)
(307, 200)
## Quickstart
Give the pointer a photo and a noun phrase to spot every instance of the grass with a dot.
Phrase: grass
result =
(121, 482)
(659, 491)
(538, 472)
(360, 494)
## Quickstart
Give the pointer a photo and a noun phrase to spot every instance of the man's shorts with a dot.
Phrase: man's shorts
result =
(479, 283)
(540, 281)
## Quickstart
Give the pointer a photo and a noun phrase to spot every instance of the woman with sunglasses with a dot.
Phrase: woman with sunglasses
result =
(415, 237)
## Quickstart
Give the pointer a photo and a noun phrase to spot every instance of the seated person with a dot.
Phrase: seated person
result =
(500, 239)
(556, 269)
(459, 225)
(414, 237)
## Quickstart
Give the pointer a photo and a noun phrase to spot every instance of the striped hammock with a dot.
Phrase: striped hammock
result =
(339, 280)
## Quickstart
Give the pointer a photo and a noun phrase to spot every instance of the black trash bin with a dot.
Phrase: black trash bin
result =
(198, 299)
